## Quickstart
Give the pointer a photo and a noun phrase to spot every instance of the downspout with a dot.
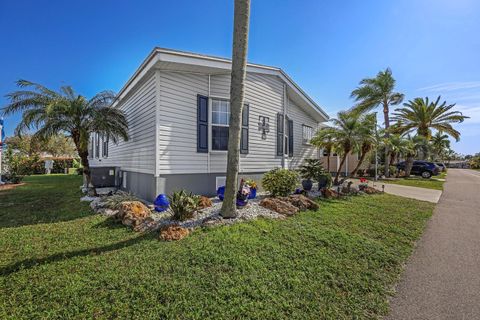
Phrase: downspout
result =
(284, 115)
(209, 131)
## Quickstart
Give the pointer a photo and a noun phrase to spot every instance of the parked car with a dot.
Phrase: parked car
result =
(442, 166)
(424, 169)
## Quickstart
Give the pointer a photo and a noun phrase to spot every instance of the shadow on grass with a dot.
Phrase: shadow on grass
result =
(31, 263)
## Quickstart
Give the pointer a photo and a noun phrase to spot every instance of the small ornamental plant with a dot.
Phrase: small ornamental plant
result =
(363, 184)
(280, 182)
(251, 184)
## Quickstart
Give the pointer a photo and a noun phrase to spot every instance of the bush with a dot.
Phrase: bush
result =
(311, 169)
(280, 182)
(183, 205)
(114, 201)
(60, 164)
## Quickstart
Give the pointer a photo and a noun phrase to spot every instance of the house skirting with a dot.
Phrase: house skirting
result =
(147, 186)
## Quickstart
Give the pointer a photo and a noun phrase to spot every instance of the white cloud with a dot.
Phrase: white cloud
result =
(452, 86)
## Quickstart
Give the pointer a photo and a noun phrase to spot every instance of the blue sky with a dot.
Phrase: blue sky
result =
(432, 46)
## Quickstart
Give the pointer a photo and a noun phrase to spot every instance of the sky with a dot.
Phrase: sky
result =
(327, 47)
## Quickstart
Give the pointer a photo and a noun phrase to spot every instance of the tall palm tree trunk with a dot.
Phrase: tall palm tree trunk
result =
(360, 162)
(387, 134)
(328, 162)
(337, 175)
(237, 93)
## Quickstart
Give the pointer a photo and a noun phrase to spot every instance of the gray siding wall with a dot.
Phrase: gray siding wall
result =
(138, 153)
(178, 124)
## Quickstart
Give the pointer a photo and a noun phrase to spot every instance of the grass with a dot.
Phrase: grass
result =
(59, 261)
(414, 181)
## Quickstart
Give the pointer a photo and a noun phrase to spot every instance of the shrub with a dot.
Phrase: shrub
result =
(114, 201)
(311, 169)
(280, 182)
(183, 205)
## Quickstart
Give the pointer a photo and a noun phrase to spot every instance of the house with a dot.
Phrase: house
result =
(177, 106)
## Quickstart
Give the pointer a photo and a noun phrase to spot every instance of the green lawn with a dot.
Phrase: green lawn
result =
(59, 261)
(413, 181)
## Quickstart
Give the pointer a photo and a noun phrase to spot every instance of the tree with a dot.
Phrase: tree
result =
(378, 91)
(422, 115)
(397, 146)
(57, 145)
(440, 145)
(414, 145)
(345, 134)
(237, 93)
(53, 113)
(323, 139)
(367, 138)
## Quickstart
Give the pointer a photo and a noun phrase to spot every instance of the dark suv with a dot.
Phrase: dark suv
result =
(421, 168)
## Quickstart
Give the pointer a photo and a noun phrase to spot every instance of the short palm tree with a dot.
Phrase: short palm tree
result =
(323, 139)
(378, 91)
(345, 134)
(52, 112)
(367, 139)
(422, 115)
(397, 146)
(414, 145)
(440, 145)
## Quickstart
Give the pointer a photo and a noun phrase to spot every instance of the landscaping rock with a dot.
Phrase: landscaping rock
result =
(329, 193)
(133, 213)
(371, 190)
(280, 206)
(204, 203)
(146, 225)
(173, 232)
(301, 202)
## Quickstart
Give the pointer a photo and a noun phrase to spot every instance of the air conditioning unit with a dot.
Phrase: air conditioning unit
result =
(105, 177)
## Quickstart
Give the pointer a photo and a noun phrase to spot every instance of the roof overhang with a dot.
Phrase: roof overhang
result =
(167, 59)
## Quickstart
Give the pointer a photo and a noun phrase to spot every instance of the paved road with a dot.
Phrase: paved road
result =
(442, 278)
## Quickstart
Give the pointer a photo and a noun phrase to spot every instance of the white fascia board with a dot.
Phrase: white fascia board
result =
(167, 55)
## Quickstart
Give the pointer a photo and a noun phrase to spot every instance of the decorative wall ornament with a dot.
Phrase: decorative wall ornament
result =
(264, 126)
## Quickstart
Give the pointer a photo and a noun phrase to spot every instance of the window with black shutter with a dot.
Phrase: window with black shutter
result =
(202, 124)
(280, 134)
(244, 133)
(290, 138)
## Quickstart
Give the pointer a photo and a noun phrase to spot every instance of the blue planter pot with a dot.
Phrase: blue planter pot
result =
(221, 192)
(161, 203)
(253, 194)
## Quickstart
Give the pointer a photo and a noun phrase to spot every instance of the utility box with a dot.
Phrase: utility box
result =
(105, 177)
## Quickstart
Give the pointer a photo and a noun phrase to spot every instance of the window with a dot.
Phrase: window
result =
(97, 145)
(91, 146)
(105, 146)
(307, 134)
(284, 137)
(220, 122)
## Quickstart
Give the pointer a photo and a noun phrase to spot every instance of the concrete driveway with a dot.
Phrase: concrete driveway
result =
(442, 277)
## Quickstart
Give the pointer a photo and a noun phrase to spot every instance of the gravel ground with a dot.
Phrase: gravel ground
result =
(208, 216)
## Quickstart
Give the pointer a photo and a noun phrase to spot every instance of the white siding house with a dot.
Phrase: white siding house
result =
(177, 108)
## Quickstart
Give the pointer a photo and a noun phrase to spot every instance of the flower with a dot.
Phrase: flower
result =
(251, 183)
(363, 180)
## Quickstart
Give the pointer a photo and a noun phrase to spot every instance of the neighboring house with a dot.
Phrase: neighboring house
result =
(177, 106)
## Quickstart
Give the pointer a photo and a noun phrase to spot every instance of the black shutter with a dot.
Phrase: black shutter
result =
(290, 138)
(279, 134)
(202, 124)
(244, 132)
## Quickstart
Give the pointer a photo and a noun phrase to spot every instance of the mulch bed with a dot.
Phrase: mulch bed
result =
(10, 186)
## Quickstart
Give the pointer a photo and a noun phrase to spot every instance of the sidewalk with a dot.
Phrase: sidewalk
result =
(417, 193)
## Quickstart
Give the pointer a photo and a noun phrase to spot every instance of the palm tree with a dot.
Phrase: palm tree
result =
(52, 113)
(368, 139)
(440, 145)
(345, 134)
(323, 139)
(397, 146)
(422, 116)
(237, 93)
(414, 145)
(378, 91)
